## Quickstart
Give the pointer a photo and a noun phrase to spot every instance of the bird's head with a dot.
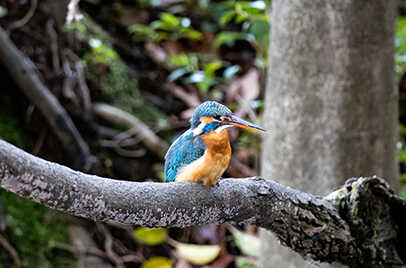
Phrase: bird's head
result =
(213, 116)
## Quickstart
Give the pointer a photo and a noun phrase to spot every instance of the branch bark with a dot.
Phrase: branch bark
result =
(332, 229)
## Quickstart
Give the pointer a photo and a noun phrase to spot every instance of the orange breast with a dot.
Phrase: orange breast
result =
(209, 168)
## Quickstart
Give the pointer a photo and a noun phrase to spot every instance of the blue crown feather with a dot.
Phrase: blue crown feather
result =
(208, 109)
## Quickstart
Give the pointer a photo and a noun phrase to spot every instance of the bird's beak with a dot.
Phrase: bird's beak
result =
(238, 122)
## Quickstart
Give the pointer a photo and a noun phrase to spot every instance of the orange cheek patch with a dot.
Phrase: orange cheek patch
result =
(206, 120)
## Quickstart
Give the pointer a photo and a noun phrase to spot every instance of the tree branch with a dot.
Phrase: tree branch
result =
(310, 225)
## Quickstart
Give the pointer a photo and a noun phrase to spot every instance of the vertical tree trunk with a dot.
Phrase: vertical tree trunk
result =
(331, 103)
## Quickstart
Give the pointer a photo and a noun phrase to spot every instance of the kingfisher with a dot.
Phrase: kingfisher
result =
(202, 153)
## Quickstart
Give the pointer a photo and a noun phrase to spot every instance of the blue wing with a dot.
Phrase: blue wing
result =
(183, 151)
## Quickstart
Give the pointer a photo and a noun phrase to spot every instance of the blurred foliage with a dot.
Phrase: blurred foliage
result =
(9, 130)
(167, 27)
(194, 68)
(400, 45)
(242, 262)
(229, 21)
(400, 56)
(31, 228)
(251, 15)
(402, 159)
(109, 72)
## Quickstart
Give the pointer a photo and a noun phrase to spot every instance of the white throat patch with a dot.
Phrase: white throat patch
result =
(197, 131)
(218, 130)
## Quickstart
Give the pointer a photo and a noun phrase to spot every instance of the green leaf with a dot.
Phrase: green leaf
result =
(258, 5)
(247, 243)
(190, 33)
(402, 193)
(229, 38)
(179, 60)
(170, 20)
(403, 178)
(198, 76)
(260, 30)
(157, 262)
(198, 254)
(206, 84)
(141, 32)
(231, 71)
(177, 74)
(150, 236)
(227, 17)
(242, 262)
(211, 68)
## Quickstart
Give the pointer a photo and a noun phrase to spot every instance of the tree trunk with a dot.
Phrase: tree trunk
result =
(331, 103)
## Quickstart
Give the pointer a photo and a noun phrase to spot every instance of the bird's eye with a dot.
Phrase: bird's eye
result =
(224, 118)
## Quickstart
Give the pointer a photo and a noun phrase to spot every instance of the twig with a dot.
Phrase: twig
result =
(108, 246)
(191, 99)
(72, 14)
(122, 140)
(54, 47)
(40, 141)
(120, 117)
(133, 258)
(24, 20)
(69, 82)
(82, 241)
(118, 148)
(83, 90)
(14, 255)
(90, 250)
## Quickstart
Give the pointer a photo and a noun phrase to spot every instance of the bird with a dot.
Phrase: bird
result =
(203, 152)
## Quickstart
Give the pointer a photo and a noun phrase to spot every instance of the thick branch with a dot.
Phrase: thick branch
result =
(308, 224)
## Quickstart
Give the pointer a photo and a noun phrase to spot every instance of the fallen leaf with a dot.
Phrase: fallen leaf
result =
(157, 262)
(243, 262)
(197, 254)
(247, 243)
(150, 236)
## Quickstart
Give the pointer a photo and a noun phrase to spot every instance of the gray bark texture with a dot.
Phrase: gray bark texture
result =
(360, 224)
(331, 103)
